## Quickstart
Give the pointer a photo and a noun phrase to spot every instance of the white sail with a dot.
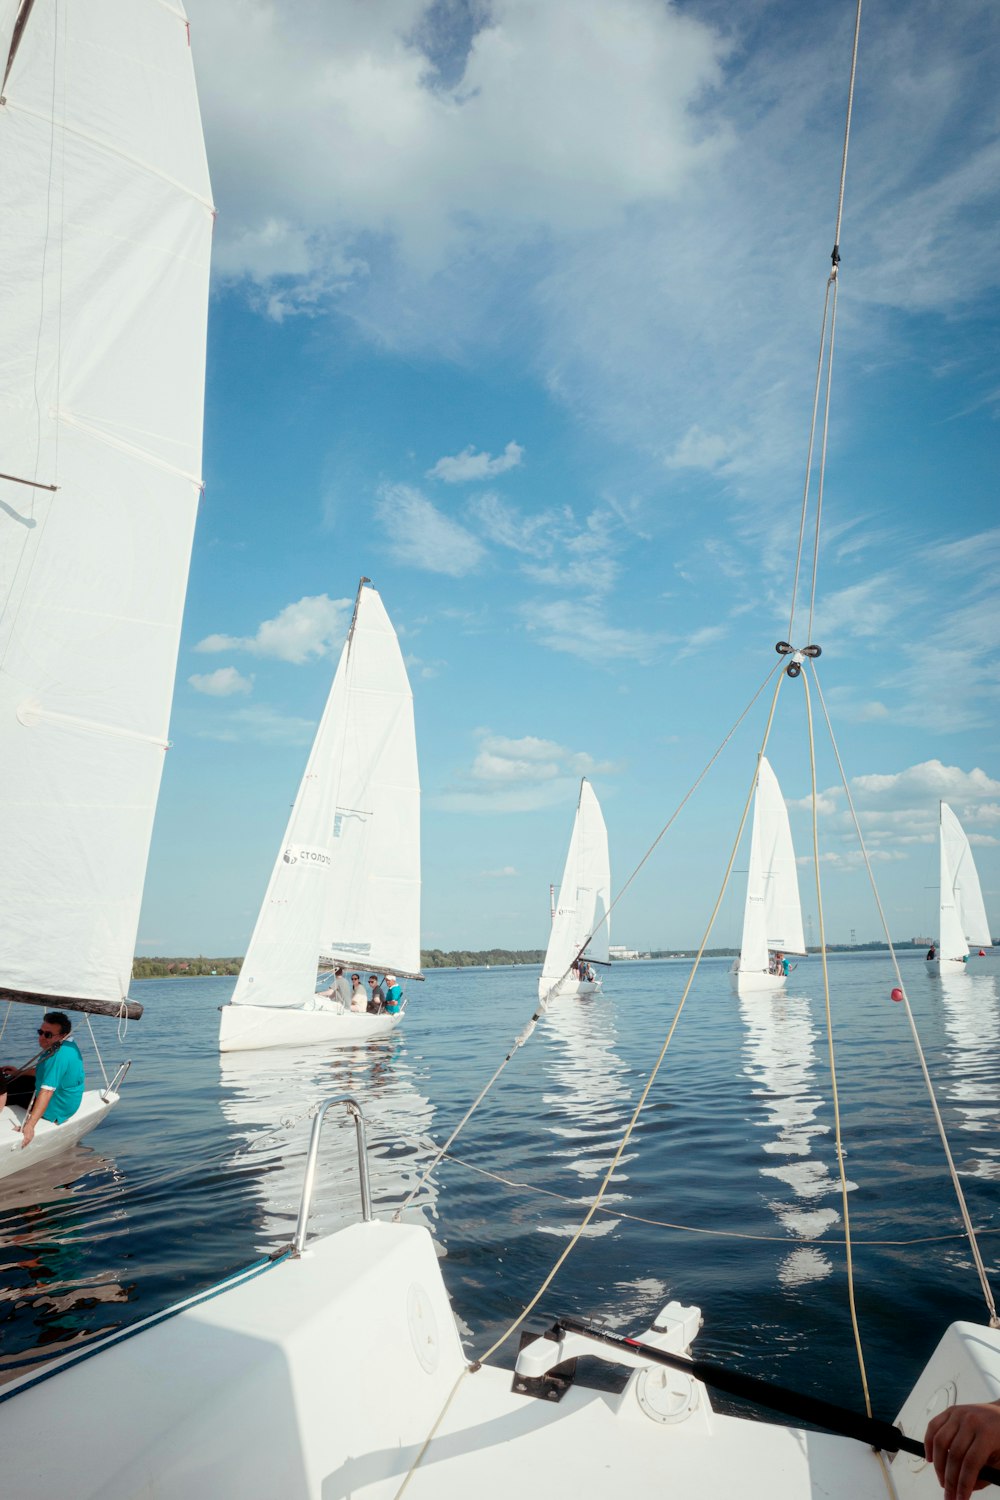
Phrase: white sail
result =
(585, 893)
(963, 915)
(346, 882)
(772, 917)
(105, 237)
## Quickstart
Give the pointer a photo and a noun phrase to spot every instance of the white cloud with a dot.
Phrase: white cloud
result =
(222, 683)
(421, 536)
(519, 775)
(469, 465)
(701, 450)
(506, 873)
(701, 640)
(900, 809)
(314, 626)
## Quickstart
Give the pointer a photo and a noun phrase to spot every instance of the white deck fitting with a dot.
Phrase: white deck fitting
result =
(49, 1139)
(321, 1378)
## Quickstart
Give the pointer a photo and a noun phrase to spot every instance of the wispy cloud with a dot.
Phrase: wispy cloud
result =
(507, 873)
(314, 626)
(260, 723)
(223, 683)
(421, 536)
(470, 465)
(580, 628)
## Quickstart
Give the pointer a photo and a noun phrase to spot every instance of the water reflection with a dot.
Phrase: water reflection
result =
(971, 1009)
(780, 1050)
(589, 1109)
(49, 1283)
(268, 1097)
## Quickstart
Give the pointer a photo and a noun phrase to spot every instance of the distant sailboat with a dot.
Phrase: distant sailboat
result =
(581, 912)
(345, 887)
(105, 240)
(772, 917)
(963, 915)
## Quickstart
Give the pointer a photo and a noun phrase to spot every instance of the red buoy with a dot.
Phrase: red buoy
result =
(982, 953)
(897, 994)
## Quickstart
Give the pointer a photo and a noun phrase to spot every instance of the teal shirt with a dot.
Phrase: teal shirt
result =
(62, 1071)
(393, 998)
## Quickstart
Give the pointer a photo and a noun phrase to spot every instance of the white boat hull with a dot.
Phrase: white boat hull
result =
(936, 967)
(250, 1028)
(49, 1139)
(268, 1385)
(751, 981)
(567, 988)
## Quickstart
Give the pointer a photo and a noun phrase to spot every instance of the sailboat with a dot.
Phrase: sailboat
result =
(962, 912)
(334, 1367)
(772, 917)
(105, 237)
(580, 921)
(345, 888)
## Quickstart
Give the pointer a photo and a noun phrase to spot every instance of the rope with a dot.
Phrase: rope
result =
(543, 1004)
(942, 1132)
(97, 1049)
(831, 311)
(6, 1018)
(788, 1240)
(833, 1064)
(606, 1180)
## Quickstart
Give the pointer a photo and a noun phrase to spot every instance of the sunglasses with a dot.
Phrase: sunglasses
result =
(46, 1031)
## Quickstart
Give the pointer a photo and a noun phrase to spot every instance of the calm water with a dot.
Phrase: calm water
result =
(200, 1166)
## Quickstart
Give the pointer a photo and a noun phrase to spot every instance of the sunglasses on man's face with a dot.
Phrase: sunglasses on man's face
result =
(45, 1031)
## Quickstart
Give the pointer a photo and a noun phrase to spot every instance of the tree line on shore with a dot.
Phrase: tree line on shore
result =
(433, 958)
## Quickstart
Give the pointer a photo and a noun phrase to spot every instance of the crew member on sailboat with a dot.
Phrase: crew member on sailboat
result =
(54, 1088)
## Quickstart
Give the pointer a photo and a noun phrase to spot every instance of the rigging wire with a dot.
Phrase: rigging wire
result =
(942, 1132)
(543, 1004)
(835, 1094)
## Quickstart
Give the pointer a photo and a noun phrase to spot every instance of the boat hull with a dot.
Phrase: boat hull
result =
(568, 988)
(753, 982)
(938, 966)
(252, 1028)
(50, 1140)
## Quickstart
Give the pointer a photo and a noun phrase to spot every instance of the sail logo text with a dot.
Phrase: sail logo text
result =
(306, 856)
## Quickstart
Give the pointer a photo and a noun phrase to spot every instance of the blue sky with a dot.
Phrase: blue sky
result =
(516, 311)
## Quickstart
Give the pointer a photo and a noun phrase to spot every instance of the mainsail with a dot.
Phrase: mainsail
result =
(772, 916)
(585, 893)
(346, 883)
(963, 914)
(105, 236)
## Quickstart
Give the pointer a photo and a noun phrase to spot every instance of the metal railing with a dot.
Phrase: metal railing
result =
(356, 1113)
(112, 1087)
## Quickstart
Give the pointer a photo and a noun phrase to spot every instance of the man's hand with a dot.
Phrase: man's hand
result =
(959, 1443)
(28, 1131)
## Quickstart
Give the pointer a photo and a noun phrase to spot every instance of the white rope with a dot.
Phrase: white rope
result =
(97, 1049)
(6, 1018)
(942, 1132)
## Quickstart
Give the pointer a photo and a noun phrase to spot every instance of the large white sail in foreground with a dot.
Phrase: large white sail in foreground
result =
(346, 882)
(105, 236)
(963, 914)
(585, 893)
(772, 917)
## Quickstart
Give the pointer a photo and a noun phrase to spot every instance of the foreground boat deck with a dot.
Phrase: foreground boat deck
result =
(320, 1377)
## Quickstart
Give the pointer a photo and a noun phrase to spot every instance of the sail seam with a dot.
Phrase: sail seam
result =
(30, 715)
(112, 150)
(144, 455)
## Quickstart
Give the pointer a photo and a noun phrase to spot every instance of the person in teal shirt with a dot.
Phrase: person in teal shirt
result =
(393, 995)
(58, 1076)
